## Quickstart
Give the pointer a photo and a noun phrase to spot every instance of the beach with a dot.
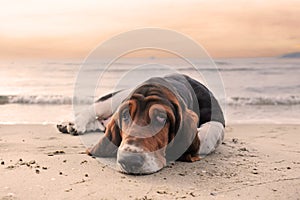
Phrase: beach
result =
(255, 161)
(59, 58)
(259, 159)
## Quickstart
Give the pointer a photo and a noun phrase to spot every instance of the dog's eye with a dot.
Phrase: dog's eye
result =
(161, 118)
(126, 115)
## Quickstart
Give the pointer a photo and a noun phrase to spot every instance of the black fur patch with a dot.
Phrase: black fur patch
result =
(104, 98)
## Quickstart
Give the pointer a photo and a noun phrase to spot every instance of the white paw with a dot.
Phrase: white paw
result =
(80, 124)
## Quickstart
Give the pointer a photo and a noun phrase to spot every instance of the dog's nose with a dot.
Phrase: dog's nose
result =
(131, 162)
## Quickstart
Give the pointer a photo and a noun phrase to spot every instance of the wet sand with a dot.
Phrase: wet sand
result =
(254, 162)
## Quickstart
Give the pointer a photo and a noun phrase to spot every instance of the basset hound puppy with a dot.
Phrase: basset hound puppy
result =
(163, 119)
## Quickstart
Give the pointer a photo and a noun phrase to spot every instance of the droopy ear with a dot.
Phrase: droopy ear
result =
(186, 143)
(109, 143)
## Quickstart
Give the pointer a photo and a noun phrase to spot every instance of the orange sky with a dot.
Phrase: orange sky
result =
(71, 29)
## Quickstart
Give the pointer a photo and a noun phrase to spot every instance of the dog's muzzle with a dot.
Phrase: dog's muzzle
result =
(131, 162)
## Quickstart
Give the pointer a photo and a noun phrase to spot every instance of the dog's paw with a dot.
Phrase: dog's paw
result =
(67, 128)
(81, 123)
(72, 129)
(62, 127)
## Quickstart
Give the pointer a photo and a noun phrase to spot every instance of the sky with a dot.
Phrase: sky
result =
(54, 29)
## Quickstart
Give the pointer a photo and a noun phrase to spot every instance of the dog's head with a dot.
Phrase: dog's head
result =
(150, 127)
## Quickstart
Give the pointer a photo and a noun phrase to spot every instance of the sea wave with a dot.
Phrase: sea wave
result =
(264, 101)
(43, 99)
(68, 100)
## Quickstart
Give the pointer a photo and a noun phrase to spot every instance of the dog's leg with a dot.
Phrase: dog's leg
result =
(85, 120)
(91, 118)
(105, 107)
(211, 134)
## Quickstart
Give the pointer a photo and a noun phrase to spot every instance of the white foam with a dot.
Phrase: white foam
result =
(43, 99)
(286, 100)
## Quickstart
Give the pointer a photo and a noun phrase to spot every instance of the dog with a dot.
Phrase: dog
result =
(163, 119)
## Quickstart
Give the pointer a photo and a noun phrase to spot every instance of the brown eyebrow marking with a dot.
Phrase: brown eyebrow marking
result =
(141, 101)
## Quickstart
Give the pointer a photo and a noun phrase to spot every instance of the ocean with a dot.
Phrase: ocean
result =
(254, 90)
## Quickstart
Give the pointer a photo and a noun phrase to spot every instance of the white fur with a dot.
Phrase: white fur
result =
(88, 120)
(211, 134)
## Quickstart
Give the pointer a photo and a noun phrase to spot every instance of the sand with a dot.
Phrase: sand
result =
(254, 162)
